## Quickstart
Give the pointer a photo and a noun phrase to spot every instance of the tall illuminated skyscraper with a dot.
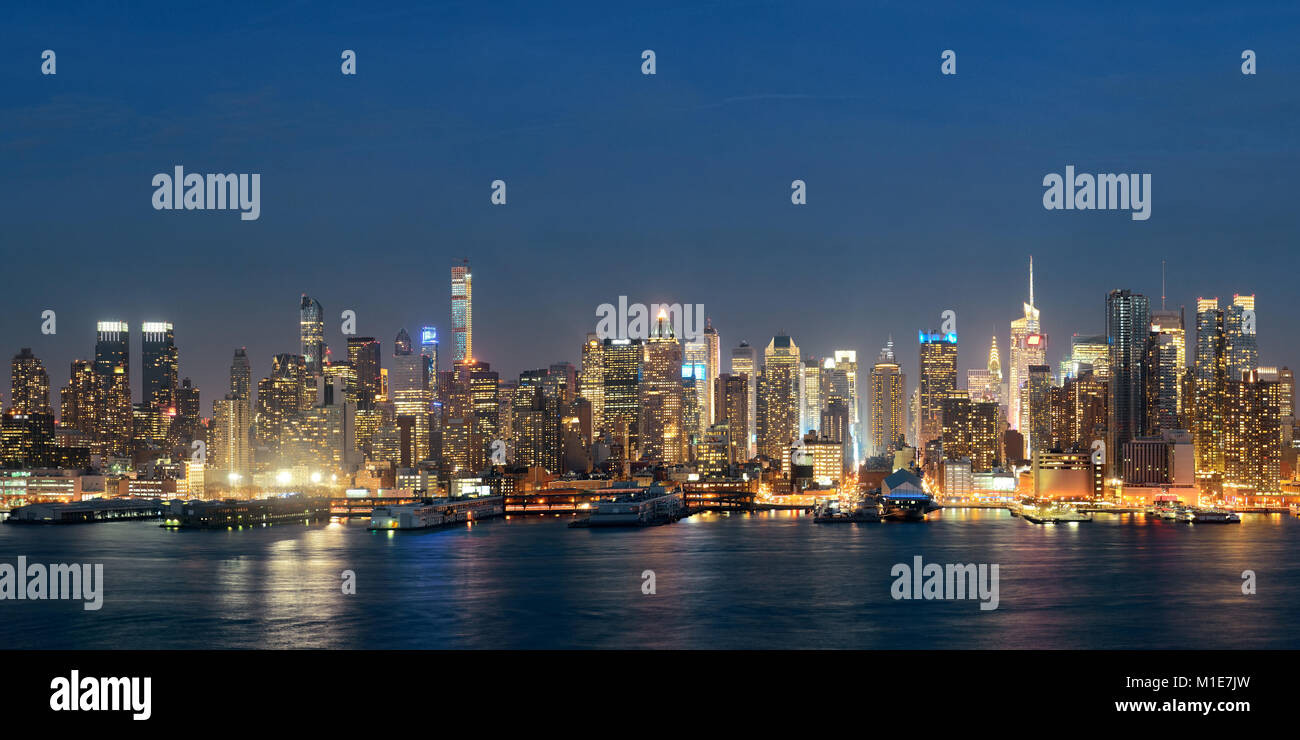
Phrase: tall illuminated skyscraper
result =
(1090, 350)
(1038, 395)
(1240, 343)
(622, 361)
(462, 313)
(1166, 361)
(714, 363)
(888, 410)
(1211, 375)
(591, 379)
(695, 376)
(117, 418)
(662, 434)
(938, 371)
(363, 356)
(778, 400)
(230, 451)
(409, 391)
(311, 330)
(1028, 347)
(1128, 321)
(810, 396)
(30, 384)
(429, 351)
(81, 403)
(160, 364)
(241, 375)
(846, 362)
(732, 393)
(744, 361)
(1253, 435)
(112, 348)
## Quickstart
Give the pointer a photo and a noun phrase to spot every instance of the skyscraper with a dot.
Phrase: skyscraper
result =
(429, 351)
(1211, 371)
(778, 400)
(888, 412)
(938, 371)
(409, 392)
(810, 396)
(744, 361)
(1240, 343)
(1028, 347)
(1128, 321)
(732, 394)
(230, 451)
(622, 361)
(81, 404)
(311, 329)
(241, 376)
(846, 362)
(363, 356)
(1038, 387)
(462, 313)
(970, 431)
(1166, 358)
(591, 383)
(1253, 435)
(714, 363)
(160, 364)
(30, 384)
(112, 348)
(662, 434)
(695, 376)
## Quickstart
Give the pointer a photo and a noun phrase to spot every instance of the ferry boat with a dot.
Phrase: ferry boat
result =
(903, 498)
(907, 507)
(867, 510)
(1055, 515)
(641, 508)
(434, 513)
(1168, 510)
(1209, 516)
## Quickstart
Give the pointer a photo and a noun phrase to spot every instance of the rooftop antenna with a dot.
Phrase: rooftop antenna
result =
(1031, 279)
(1162, 285)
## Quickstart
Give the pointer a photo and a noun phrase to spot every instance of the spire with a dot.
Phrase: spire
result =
(1031, 279)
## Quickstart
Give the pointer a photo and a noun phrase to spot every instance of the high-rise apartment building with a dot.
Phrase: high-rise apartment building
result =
(778, 400)
(888, 413)
(311, 331)
(462, 313)
(1128, 321)
(744, 361)
(29, 384)
(938, 380)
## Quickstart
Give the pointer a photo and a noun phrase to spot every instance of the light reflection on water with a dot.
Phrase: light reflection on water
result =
(764, 580)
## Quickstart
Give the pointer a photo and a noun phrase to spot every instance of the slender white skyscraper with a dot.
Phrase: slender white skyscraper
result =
(462, 313)
(744, 361)
(1028, 347)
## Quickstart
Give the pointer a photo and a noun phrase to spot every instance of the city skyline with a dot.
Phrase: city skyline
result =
(336, 344)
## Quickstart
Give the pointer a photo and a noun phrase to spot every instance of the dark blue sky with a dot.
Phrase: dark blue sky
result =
(924, 191)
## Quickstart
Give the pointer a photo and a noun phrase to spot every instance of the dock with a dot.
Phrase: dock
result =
(87, 512)
(238, 514)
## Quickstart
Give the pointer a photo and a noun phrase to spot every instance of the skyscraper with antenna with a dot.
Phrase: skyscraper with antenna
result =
(1028, 346)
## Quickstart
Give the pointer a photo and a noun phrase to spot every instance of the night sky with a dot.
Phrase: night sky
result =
(924, 191)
